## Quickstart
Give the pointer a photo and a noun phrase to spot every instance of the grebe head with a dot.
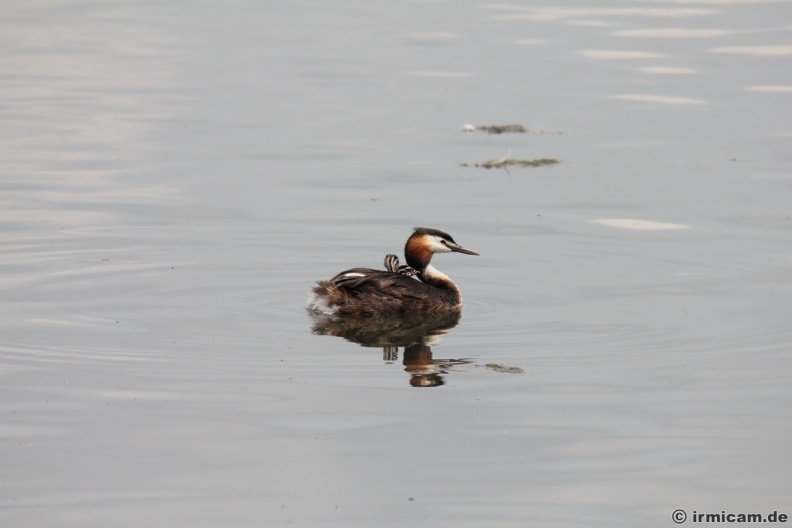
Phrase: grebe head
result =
(424, 242)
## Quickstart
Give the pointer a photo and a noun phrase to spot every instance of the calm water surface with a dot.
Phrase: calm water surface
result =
(175, 176)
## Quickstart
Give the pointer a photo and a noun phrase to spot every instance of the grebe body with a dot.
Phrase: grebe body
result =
(416, 287)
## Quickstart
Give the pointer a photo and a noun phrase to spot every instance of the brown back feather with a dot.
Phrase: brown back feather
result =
(377, 292)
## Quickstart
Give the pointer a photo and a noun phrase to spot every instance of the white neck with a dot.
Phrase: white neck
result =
(430, 275)
(436, 274)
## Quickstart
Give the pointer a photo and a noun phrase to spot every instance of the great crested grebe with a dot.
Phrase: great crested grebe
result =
(364, 291)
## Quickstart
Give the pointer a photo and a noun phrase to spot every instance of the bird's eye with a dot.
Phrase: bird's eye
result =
(444, 242)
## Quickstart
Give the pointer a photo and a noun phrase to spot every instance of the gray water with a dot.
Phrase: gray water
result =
(175, 176)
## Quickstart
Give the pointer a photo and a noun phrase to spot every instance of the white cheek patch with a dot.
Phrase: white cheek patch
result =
(437, 246)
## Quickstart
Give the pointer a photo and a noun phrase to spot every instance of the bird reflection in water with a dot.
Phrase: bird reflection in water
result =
(417, 333)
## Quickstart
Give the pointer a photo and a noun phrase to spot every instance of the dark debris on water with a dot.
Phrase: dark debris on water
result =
(503, 129)
(503, 163)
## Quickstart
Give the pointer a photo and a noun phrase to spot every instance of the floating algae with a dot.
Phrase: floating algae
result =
(509, 129)
(498, 164)
(503, 129)
(497, 367)
(503, 163)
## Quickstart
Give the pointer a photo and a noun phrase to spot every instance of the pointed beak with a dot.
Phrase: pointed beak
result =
(459, 249)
